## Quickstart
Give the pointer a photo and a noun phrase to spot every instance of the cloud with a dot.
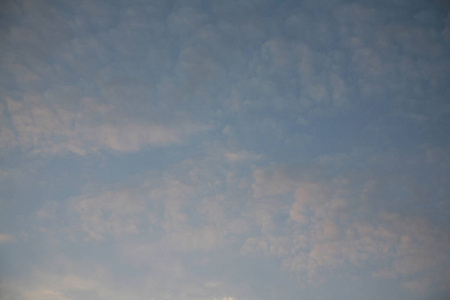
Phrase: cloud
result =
(80, 108)
(166, 228)
(64, 280)
(269, 183)
(241, 156)
(86, 126)
(330, 163)
(186, 64)
(181, 210)
(6, 238)
(113, 213)
(322, 233)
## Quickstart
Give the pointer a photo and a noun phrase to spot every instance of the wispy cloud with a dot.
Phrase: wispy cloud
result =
(85, 127)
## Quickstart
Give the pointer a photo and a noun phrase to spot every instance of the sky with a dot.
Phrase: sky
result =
(224, 150)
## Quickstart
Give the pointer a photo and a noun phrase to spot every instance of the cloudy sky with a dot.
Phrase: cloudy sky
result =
(224, 150)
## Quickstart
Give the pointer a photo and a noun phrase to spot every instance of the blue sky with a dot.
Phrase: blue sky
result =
(224, 150)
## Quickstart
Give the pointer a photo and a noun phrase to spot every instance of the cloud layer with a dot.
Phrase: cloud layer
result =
(238, 150)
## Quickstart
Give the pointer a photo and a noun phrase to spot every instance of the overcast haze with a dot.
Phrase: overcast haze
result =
(224, 150)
